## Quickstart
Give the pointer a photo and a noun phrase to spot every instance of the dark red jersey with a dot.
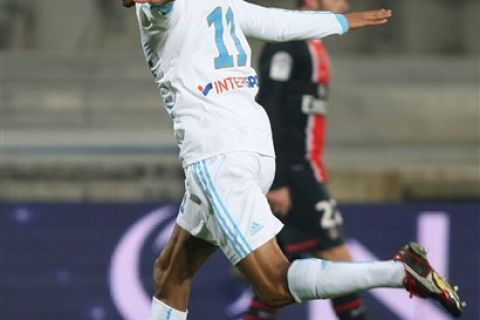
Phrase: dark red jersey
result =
(294, 78)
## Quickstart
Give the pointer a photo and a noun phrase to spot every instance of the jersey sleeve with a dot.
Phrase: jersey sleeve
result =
(285, 25)
(275, 72)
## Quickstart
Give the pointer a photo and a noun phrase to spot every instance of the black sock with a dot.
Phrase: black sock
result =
(349, 307)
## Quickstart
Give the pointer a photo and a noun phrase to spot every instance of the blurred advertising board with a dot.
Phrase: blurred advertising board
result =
(94, 261)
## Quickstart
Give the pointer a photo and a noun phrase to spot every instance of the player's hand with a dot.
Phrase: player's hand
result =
(280, 201)
(362, 19)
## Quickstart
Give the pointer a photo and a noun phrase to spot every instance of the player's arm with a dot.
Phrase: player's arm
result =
(275, 71)
(284, 25)
(272, 102)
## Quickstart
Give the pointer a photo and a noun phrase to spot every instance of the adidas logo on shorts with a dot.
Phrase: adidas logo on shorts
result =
(255, 227)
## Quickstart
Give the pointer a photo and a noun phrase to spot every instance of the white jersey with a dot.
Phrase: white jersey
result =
(201, 61)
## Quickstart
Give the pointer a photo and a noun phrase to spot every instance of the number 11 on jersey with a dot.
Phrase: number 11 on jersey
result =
(225, 60)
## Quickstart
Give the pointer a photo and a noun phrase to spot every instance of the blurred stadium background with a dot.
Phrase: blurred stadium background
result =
(87, 154)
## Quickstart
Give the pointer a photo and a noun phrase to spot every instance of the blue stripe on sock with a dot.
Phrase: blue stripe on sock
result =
(229, 234)
(229, 216)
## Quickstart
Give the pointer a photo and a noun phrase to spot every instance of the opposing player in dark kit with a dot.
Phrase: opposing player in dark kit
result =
(294, 87)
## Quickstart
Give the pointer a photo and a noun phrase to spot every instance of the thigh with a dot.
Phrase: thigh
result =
(337, 253)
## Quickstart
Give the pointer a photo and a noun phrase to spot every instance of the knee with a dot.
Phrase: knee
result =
(274, 292)
(275, 296)
(167, 276)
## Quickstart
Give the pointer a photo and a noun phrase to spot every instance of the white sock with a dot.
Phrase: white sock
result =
(320, 279)
(160, 311)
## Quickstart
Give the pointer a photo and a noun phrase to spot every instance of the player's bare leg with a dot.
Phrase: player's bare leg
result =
(348, 307)
(266, 269)
(279, 283)
(174, 270)
(338, 253)
(265, 309)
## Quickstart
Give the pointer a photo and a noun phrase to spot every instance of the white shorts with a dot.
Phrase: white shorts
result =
(225, 202)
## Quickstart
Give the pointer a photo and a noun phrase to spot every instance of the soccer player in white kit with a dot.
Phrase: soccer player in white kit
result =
(200, 58)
